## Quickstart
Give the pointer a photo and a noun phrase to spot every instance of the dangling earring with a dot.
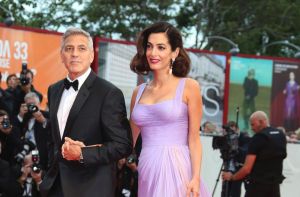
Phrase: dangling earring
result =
(171, 66)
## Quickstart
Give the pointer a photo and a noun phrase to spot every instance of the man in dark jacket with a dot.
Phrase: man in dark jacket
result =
(264, 160)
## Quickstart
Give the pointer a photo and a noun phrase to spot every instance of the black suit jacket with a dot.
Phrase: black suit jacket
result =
(98, 116)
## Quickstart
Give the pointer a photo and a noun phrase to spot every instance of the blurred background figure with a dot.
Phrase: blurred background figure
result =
(31, 176)
(250, 86)
(208, 128)
(264, 160)
(233, 146)
(291, 106)
(10, 138)
(33, 125)
(12, 89)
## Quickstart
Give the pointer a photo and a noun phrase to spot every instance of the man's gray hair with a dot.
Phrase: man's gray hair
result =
(32, 95)
(260, 115)
(77, 31)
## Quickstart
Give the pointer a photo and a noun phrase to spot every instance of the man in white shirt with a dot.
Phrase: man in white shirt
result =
(89, 125)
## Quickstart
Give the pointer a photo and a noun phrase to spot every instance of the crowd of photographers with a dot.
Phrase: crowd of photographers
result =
(24, 137)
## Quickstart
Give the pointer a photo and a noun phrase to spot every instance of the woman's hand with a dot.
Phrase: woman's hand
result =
(193, 188)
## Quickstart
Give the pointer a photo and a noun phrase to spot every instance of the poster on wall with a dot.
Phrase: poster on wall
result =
(209, 70)
(40, 51)
(285, 110)
(114, 60)
(250, 88)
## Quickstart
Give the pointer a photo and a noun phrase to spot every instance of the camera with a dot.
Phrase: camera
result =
(5, 123)
(32, 108)
(27, 147)
(23, 79)
(131, 159)
(227, 143)
(36, 168)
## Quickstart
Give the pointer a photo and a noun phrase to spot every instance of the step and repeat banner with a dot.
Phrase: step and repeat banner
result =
(41, 52)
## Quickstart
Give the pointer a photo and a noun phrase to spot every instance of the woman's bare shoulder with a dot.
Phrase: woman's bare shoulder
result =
(192, 84)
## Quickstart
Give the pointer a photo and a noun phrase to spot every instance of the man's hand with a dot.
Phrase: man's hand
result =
(227, 176)
(23, 110)
(37, 177)
(39, 117)
(71, 149)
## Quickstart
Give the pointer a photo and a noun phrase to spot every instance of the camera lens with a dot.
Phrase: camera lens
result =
(5, 123)
(32, 108)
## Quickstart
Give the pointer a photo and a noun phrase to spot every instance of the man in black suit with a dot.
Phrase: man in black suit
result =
(90, 129)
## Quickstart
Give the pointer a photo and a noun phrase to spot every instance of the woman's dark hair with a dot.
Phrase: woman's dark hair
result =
(10, 76)
(3, 113)
(139, 63)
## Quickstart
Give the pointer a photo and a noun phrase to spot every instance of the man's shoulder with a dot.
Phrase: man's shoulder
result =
(103, 83)
(56, 84)
(270, 131)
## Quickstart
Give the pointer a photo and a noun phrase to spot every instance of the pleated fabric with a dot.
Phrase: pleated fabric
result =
(164, 165)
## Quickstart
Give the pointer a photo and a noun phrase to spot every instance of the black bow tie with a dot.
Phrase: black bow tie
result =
(69, 84)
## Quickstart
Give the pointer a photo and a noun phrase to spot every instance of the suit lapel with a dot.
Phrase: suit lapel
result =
(81, 98)
(56, 97)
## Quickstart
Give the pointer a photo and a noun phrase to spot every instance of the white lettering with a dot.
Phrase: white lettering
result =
(205, 95)
(21, 50)
(4, 63)
(4, 49)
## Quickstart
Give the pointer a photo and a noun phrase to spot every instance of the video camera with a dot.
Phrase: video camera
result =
(227, 143)
(23, 79)
(36, 161)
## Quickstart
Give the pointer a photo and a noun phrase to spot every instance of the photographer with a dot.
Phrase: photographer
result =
(127, 177)
(33, 125)
(6, 100)
(9, 137)
(127, 172)
(25, 86)
(31, 176)
(239, 142)
(264, 159)
(12, 89)
(9, 187)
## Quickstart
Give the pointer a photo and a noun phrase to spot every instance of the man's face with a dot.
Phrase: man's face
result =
(76, 55)
(30, 77)
(32, 101)
(12, 82)
(256, 125)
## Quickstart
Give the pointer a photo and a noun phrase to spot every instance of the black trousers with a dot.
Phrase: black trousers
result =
(263, 190)
(56, 189)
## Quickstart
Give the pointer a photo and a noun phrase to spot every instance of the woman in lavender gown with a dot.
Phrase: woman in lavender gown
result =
(167, 111)
(291, 102)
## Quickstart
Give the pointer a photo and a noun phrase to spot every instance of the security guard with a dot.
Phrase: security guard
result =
(264, 159)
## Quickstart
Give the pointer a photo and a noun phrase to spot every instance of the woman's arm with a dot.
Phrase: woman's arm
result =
(194, 102)
(134, 128)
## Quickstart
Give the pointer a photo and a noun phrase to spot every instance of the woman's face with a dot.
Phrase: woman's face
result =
(292, 76)
(159, 53)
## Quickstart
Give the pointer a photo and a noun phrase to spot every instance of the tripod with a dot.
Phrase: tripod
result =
(225, 185)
